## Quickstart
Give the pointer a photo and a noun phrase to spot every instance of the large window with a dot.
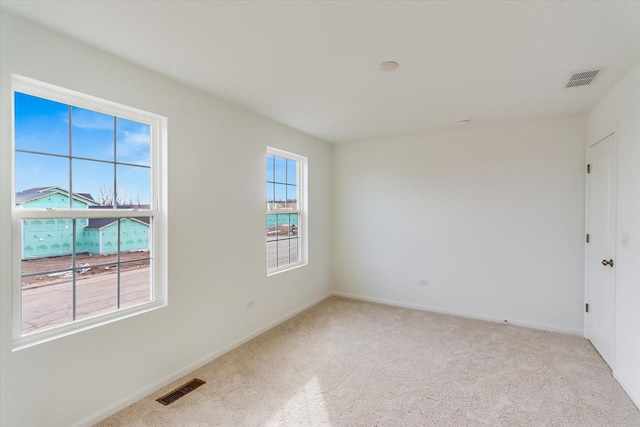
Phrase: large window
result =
(89, 226)
(286, 219)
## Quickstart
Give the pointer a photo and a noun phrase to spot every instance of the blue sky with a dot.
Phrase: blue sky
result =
(43, 126)
(281, 178)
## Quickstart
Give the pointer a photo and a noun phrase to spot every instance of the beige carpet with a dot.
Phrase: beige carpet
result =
(352, 363)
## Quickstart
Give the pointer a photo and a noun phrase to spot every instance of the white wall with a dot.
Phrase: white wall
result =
(492, 217)
(621, 108)
(216, 189)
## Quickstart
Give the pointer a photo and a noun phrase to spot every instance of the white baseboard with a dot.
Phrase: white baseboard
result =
(140, 394)
(440, 310)
(634, 398)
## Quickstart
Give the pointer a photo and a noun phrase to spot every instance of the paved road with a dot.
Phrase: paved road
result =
(278, 252)
(52, 305)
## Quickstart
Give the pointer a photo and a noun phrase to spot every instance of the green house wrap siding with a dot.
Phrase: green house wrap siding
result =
(134, 236)
(282, 219)
(54, 237)
(91, 241)
(56, 201)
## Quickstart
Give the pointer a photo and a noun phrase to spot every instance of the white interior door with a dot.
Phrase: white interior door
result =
(601, 228)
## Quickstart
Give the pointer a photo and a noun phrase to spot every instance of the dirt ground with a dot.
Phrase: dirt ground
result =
(84, 263)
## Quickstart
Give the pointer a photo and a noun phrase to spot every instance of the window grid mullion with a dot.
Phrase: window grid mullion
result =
(276, 237)
(73, 265)
(70, 138)
(73, 220)
(289, 239)
(115, 205)
(66, 156)
(118, 264)
(273, 202)
(115, 165)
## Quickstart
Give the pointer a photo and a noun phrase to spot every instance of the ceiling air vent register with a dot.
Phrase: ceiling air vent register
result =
(584, 78)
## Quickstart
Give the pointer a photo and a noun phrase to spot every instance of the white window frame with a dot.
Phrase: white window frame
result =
(157, 211)
(301, 180)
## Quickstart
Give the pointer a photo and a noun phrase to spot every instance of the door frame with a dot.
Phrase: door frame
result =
(608, 131)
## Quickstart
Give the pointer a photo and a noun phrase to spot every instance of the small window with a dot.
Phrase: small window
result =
(89, 211)
(286, 215)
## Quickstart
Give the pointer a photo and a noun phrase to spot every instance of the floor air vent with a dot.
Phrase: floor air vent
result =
(176, 394)
(583, 78)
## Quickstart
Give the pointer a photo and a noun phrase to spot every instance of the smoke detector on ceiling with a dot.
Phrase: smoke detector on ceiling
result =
(584, 77)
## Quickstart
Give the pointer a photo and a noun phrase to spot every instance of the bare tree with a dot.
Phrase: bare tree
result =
(106, 196)
(121, 197)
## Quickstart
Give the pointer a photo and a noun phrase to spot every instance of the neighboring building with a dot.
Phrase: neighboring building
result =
(97, 236)
(52, 197)
(282, 219)
(51, 237)
(101, 235)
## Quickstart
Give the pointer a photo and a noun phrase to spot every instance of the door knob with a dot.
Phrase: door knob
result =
(609, 263)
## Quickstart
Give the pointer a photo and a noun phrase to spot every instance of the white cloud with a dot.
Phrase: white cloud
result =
(134, 146)
(85, 119)
(135, 138)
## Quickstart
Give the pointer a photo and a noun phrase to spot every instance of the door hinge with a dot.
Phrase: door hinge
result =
(587, 238)
(586, 307)
(588, 168)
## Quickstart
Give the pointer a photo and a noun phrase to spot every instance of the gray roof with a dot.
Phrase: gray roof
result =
(37, 192)
(98, 223)
(121, 207)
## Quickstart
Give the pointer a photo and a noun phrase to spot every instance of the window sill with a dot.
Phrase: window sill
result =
(288, 267)
(46, 335)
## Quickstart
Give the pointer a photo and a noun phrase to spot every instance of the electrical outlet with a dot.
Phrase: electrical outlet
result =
(423, 282)
(251, 303)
